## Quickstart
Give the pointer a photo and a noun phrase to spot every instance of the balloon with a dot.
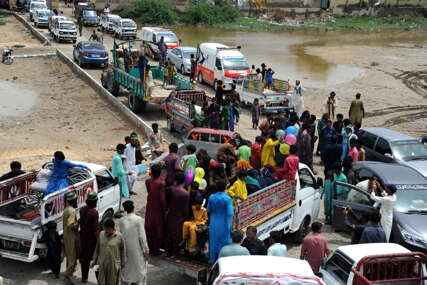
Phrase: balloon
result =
(284, 148)
(279, 134)
(291, 130)
(291, 139)
(189, 176)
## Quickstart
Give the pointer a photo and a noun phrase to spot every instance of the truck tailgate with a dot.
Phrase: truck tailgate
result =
(184, 266)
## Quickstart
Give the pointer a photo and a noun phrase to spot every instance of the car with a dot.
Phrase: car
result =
(64, 30)
(90, 52)
(52, 20)
(382, 144)
(107, 22)
(410, 210)
(89, 16)
(124, 28)
(36, 6)
(41, 17)
(152, 35)
(180, 57)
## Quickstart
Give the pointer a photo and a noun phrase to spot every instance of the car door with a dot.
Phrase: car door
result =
(108, 191)
(383, 151)
(368, 141)
(349, 196)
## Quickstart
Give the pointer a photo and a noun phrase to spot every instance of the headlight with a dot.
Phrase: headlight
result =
(61, 33)
(413, 239)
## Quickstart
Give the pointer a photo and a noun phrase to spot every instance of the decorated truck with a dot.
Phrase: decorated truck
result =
(24, 211)
(272, 100)
(287, 206)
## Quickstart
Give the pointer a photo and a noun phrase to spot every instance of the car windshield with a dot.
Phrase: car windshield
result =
(409, 150)
(238, 63)
(67, 26)
(38, 6)
(168, 38)
(92, 46)
(89, 13)
(44, 13)
(411, 200)
(128, 24)
(188, 53)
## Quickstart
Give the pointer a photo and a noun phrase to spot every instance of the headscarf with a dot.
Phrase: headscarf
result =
(243, 165)
(200, 173)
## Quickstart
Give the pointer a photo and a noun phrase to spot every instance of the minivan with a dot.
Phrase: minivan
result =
(152, 36)
(385, 145)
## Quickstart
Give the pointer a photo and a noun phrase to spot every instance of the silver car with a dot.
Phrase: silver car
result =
(180, 57)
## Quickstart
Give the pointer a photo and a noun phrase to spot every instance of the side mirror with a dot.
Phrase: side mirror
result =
(319, 183)
(389, 155)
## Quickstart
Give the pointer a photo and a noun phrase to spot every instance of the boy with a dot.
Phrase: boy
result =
(190, 228)
(54, 247)
(256, 113)
(238, 189)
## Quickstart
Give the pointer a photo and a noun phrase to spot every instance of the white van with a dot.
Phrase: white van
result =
(220, 62)
(36, 5)
(152, 35)
(64, 31)
(124, 28)
(107, 22)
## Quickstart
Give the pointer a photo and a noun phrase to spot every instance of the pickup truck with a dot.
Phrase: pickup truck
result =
(179, 111)
(374, 263)
(106, 22)
(270, 100)
(23, 212)
(64, 30)
(288, 206)
(124, 28)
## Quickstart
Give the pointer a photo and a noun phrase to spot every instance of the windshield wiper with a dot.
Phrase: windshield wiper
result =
(421, 157)
(417, 212)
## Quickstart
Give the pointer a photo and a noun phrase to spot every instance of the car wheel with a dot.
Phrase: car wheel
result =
(182, 69)
(108, 215)
(302, 231)
(200, 77)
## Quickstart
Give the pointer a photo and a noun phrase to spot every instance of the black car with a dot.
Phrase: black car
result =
(410, 211)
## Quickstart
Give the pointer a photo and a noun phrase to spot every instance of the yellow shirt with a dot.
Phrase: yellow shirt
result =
(200, 216)
(238, 190)
(268, 152)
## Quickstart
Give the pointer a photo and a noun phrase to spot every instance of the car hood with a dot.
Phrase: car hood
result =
(418, 165)
(413, 223)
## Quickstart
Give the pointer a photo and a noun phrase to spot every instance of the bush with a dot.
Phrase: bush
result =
(149, 12)
(209, 14)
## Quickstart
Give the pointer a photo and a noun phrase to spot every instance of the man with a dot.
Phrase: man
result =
(297, 100)
(119, 172)
(238, 190)
(130, 162)
(331, 155)
(132, 229)
(110, 255)
(80, 22)
(193, 66)
(235, 248)
(266, 126)
(178, 199)
(338, 124)
(70, 234)
(156, 141)
(163, 48)
(142, 64)
(252, 243)
(244, 152)
(331, 105)
(276, 248)
(305, 151)
(155, 210)
(356, 111)
(171, 162)
(15, 170)
(356, 224)
(315, 247)
(94, 36)
(291, 164)
(387, 205)
(219, 93)
(89, 232)
(373, 233)
(100, 36)
(127, 59)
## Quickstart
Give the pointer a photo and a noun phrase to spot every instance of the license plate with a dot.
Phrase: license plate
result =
(96, 55)
(11, 244)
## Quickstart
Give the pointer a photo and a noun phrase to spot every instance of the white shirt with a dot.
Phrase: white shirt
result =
(277, 249)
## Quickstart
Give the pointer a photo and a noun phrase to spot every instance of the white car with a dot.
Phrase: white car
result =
(36, 6)
(181, 58)
(52, 20)
(64, 31)
(41, 17)
(107, 22)
(124, 28)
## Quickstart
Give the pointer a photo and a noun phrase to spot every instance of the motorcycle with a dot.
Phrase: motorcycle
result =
(6, 57)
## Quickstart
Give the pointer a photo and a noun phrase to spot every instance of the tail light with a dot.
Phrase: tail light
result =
(85, 54)
(105, 54)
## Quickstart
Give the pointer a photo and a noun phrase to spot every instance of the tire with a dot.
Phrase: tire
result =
(200, 77)
(182, 69)
(107, 215)
(9, 60)
(170, 125)
(74, 41)
(302, 231)
(136, 104)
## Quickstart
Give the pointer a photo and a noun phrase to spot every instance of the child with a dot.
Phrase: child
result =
(54, 247)
(269, 78)
(190, 228)
(354, 153)
(238, 189)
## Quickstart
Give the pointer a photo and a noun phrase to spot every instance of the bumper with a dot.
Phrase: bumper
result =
(128, 34)
(42, 24)
(95, 60)
(67, 37)
(90, 23)
(273, 110)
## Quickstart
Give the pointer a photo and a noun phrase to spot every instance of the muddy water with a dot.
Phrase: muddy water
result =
(285, 53)
(15, 99)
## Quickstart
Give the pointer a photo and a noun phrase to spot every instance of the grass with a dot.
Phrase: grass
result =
(2, 22)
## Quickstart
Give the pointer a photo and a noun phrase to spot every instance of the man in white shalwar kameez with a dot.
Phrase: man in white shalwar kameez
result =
(387, 205)
(296, 99)
(130, 163)
(132, 229)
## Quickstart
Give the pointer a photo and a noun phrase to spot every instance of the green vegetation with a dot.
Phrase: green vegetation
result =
(250, 24)
(153, 12)
(2, 23)
(205, 13)
(406, 21)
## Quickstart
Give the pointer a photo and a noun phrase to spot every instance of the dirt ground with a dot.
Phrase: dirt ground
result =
(15, 34)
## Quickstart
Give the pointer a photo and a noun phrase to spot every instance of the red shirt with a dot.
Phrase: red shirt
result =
(314, 249)
(290, 167)
(256, 155)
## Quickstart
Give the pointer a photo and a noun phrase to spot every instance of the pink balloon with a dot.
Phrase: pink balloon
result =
(291, 139)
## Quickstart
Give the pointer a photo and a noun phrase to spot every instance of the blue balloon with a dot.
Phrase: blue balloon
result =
(291, 130)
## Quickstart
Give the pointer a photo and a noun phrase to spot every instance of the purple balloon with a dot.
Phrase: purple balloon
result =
(290, 139)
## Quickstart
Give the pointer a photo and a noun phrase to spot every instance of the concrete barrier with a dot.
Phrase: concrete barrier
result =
(139, 124)
(42, 38)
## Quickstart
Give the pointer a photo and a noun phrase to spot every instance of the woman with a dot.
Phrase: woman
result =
(220, 209)
(58, 180)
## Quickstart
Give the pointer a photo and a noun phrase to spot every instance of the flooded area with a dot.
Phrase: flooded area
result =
(285, 51)
(15, 99)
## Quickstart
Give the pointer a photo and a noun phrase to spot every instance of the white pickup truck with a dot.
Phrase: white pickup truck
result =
(64, 30)
(23, 212)
(124, 28)
(374, 263)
